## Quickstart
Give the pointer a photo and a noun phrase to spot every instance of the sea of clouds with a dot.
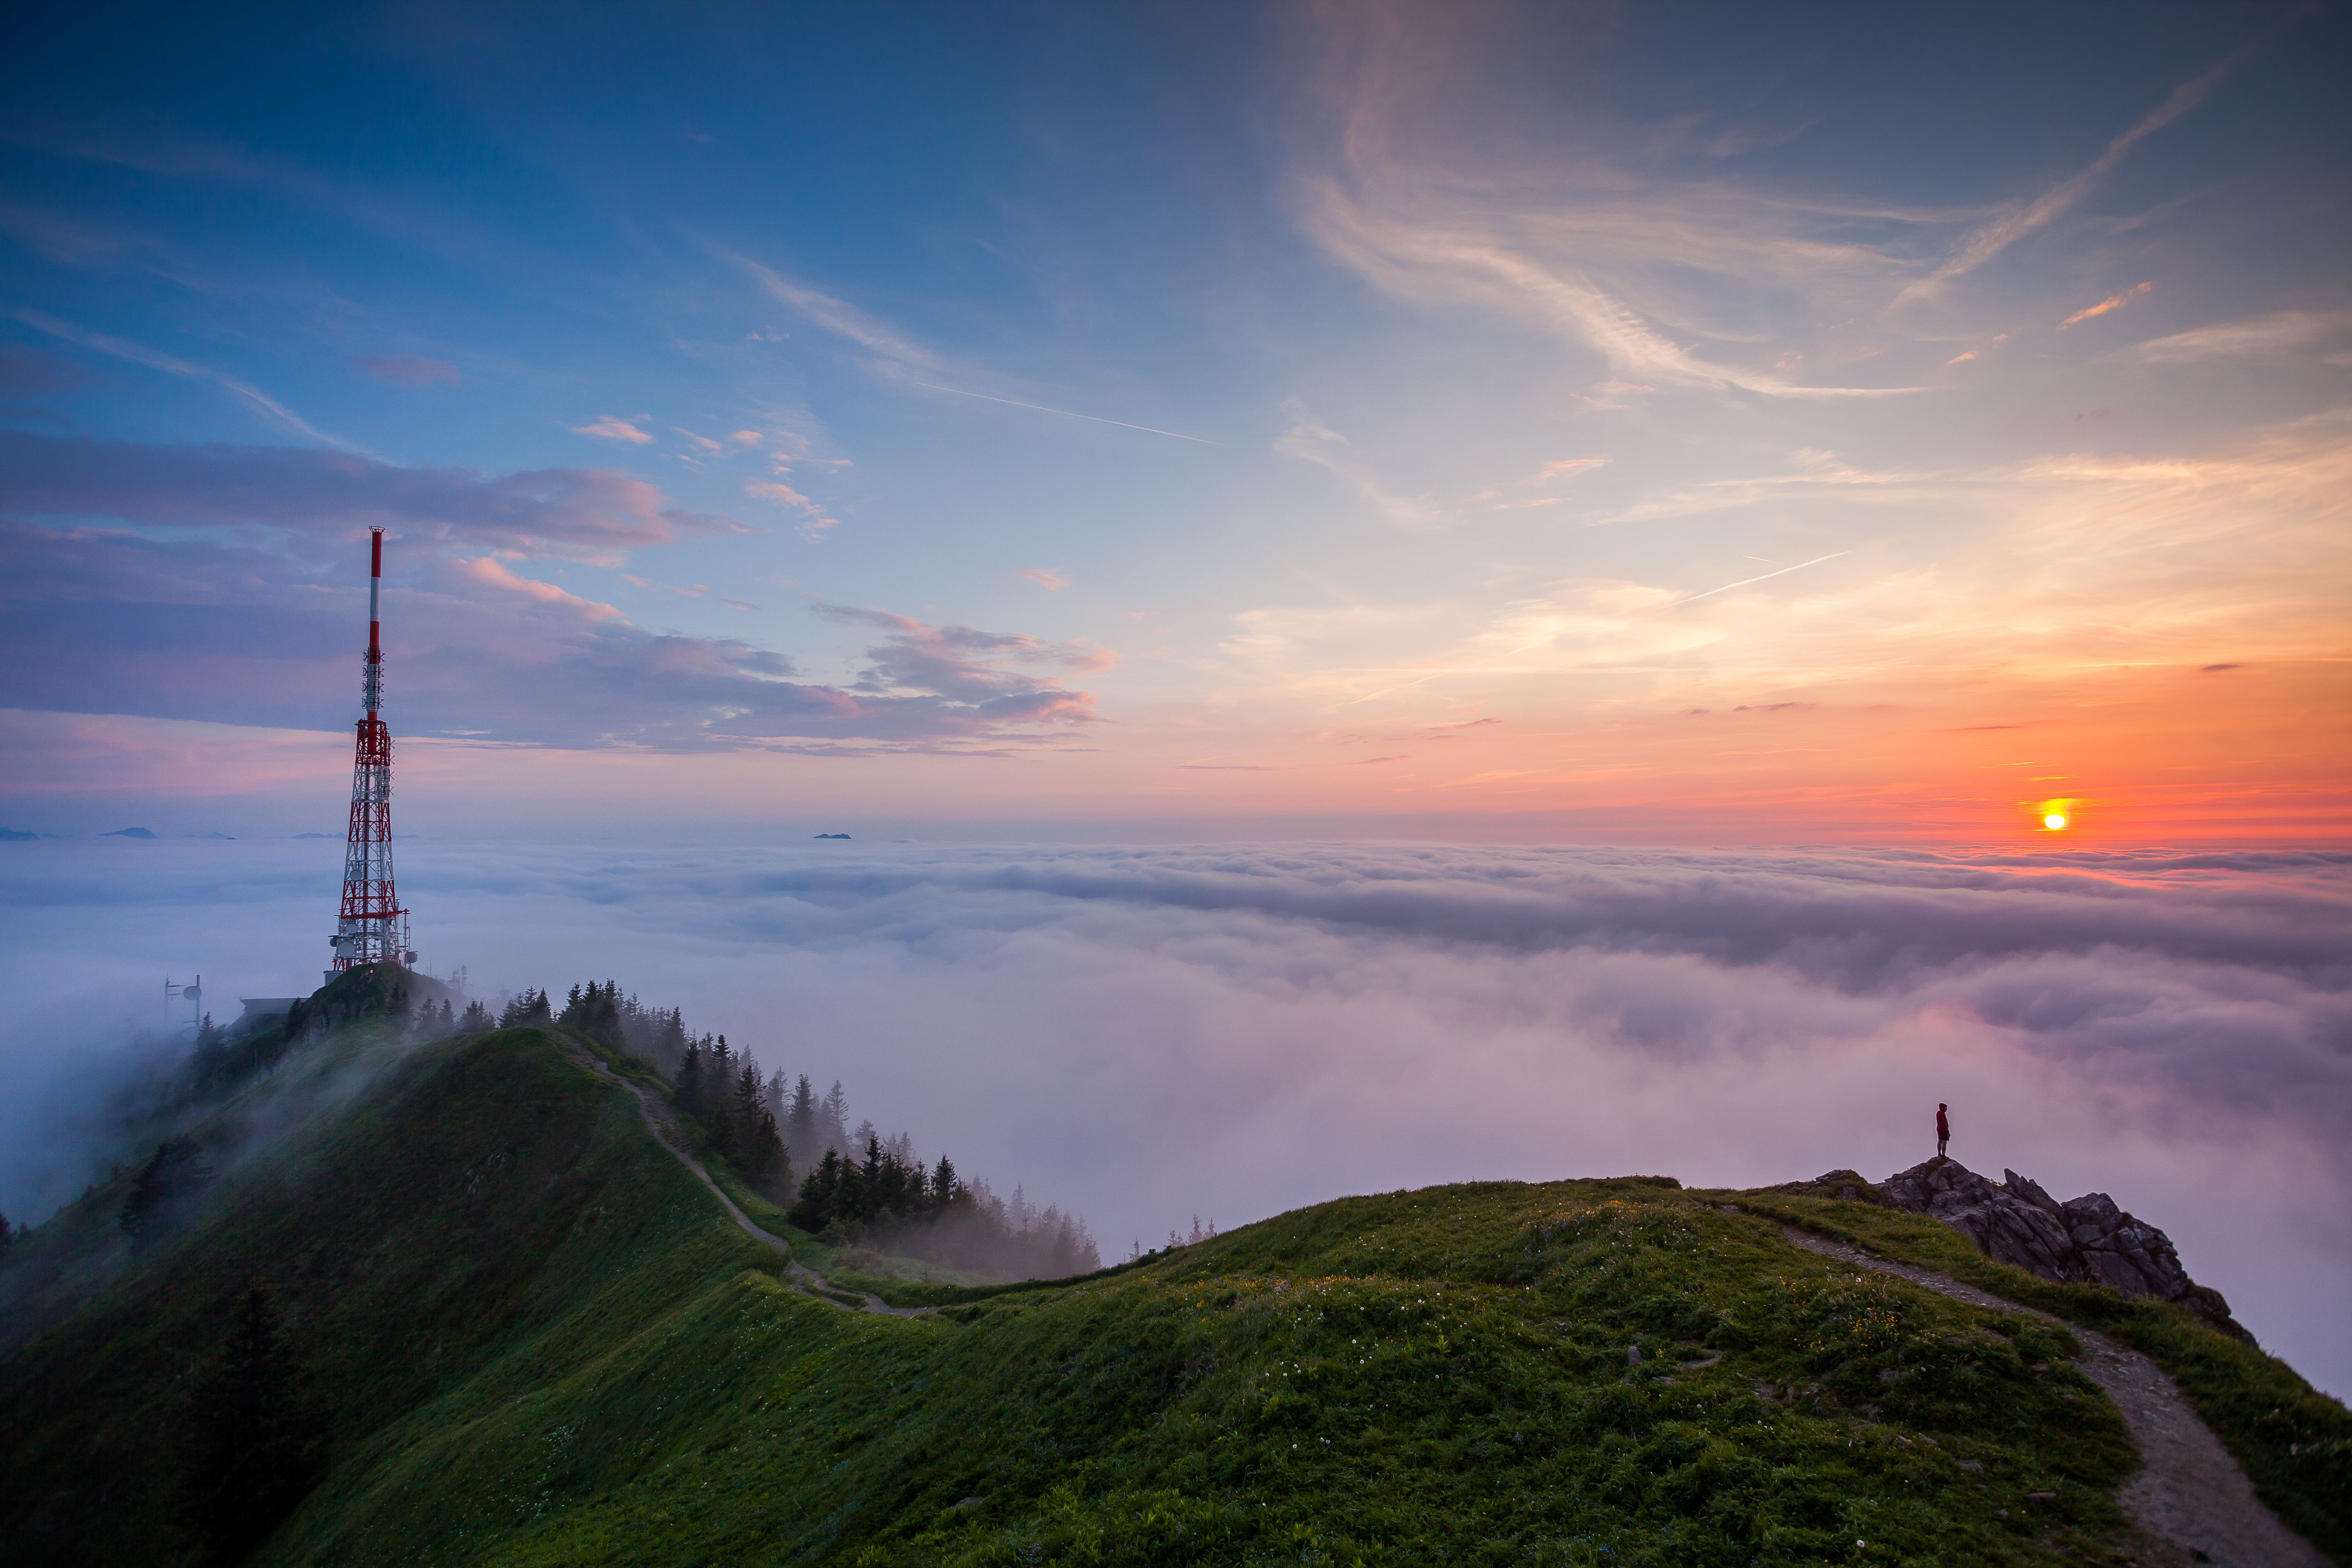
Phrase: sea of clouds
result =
(1146, 1035)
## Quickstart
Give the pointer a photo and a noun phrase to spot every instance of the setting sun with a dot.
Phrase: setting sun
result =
(2054, 820)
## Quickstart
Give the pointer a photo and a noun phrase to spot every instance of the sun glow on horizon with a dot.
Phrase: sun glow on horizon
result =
(2053, 815)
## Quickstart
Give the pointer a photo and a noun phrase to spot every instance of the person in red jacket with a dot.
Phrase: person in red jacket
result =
(1943, 1128)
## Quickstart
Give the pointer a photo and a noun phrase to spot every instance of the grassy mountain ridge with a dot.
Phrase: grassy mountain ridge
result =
(539, 1340)
(441, 1231)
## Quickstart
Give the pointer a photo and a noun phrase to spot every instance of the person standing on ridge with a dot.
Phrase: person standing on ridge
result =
(1943, 1128)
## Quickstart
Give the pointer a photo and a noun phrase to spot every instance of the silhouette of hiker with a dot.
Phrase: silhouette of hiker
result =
(1943, 1128)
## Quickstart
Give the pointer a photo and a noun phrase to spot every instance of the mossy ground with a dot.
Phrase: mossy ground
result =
(539, 1340)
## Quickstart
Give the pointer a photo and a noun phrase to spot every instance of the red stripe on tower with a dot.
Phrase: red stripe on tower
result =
(374, 928)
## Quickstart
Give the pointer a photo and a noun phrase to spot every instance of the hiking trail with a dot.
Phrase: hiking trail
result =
(664, 1126)
(2189, 1493)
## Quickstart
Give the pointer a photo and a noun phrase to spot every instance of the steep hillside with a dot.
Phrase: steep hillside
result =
(538, 1339)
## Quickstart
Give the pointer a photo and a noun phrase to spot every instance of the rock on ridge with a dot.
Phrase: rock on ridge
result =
(2086, 1239)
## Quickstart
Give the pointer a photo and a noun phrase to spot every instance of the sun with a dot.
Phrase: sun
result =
(2053, 814)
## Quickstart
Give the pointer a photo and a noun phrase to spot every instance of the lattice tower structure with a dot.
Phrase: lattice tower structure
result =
(374, 928)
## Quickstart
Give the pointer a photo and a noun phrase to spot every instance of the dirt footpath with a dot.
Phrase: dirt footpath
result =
(662, 1125)
(2189, 1493)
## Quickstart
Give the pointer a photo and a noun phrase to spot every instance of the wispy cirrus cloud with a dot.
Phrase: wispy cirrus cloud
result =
(269, 408)
(1045, 577)
(1584, 251)
(1992, 238)
(580, 514)
(900, 357)
(1310, 440)
(2053, 569)
(1422, 246)
(2281, 333)
(836, 316)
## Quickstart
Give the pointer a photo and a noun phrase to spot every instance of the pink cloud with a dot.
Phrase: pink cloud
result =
(814, 525)
(1563, 466)
(2112, 302)
(1962, 357)
(236, 626)
(702, 443)
(491, 575)
(1053, 582)
(746, 437)
(610, 428)
(781, 494)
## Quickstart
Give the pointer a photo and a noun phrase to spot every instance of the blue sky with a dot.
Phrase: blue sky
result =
(1575, 370)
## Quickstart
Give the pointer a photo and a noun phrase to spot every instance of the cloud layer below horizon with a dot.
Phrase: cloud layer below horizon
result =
(1149, 1033)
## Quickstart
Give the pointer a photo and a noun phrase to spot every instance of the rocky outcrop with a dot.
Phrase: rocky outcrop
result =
(2086, 1239)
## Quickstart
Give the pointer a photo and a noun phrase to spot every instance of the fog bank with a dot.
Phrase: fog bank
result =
(1146, 1035)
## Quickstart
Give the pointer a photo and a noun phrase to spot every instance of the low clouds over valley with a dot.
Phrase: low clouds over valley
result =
(1151, 1034)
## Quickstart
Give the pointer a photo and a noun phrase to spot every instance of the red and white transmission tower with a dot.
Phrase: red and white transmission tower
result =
(374, 928)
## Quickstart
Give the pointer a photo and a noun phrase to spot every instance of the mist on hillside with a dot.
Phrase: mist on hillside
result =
(1149, 1033)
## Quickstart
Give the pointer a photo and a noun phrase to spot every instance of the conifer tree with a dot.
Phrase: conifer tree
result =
(689, 1080)
(759, 1149)
(849, 1206)
(669, 1040)
(873, 1184)
(175, 1171)
(832, 1119)
(718, 1098)
(249, 1448)
(818, 1191)
(476, 1018)
(800, 1122)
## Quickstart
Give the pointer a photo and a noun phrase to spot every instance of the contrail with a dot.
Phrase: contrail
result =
(1064, 413)
(1783, 572)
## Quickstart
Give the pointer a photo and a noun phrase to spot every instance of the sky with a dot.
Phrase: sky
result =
(1628, 424)
(1387, 593)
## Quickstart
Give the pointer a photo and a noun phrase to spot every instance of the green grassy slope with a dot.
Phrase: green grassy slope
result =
(2295, 1442)
(539, 1342)
(466, 1226)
